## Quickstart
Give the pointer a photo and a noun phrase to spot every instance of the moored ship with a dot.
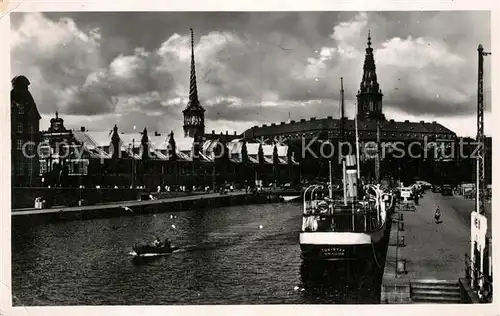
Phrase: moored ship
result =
(354, 228)
(335, 230)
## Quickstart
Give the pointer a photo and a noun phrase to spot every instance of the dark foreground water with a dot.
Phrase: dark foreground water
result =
(226, 258)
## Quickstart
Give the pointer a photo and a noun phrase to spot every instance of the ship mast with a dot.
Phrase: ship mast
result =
(377, 158)
(342, 138)
(330, 190)
(357, 147)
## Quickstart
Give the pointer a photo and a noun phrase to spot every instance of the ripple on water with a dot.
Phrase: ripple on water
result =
(226, 258)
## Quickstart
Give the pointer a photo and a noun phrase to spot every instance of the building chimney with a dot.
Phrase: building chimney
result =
(213, 132)
(227, 133)
(235, 133)
(82, 129)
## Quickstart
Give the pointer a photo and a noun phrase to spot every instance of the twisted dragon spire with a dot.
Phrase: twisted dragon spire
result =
(193, 89)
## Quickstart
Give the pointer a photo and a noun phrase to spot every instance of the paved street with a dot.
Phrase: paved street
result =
(435, 251)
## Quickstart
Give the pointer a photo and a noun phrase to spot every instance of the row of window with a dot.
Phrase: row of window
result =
(382, 134)
(20, 128)
(20, 165)
(29, 148)
(75, 167)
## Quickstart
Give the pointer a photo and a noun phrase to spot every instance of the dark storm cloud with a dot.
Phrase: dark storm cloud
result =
(227, 110)
(435, 106)
(103, 63)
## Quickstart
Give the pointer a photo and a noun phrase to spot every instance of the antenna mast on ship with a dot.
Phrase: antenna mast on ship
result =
(357, 146)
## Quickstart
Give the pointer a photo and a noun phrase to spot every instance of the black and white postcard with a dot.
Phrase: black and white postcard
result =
(294, 158)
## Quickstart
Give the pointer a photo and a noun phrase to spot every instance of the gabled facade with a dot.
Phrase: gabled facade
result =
(109, 158)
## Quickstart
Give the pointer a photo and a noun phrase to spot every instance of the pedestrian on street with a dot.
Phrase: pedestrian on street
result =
(437, 215)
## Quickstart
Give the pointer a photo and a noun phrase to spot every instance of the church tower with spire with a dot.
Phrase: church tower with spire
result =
(370, 95)
(194, 114)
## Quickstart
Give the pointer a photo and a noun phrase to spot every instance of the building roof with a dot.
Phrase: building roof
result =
(94, 138)
(98, 144)
(158, 142)
(94, 142)
(184, 144)
(389, 129)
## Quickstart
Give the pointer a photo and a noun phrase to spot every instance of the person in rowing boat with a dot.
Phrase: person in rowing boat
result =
(157, 242)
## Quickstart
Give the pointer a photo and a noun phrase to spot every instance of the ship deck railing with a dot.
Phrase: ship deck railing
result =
(344, 222)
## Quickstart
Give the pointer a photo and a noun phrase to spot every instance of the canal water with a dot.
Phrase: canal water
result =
(233, 255)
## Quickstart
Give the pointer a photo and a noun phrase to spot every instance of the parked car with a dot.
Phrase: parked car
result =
(424, 184)
(435, 189)
(446, 190)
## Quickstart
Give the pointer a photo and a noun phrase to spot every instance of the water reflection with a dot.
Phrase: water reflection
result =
(333, 282)
(233, 255)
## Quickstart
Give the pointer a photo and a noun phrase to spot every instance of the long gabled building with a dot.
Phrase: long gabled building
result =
(111, 158)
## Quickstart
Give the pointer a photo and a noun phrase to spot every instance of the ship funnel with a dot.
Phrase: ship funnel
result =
(350, 177)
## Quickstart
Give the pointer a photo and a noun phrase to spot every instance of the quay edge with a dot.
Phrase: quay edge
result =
(131, 208)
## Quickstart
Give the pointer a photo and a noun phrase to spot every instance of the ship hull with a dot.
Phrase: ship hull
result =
(344, 246)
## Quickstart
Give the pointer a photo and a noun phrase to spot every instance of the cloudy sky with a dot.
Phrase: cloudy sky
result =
(132, 69)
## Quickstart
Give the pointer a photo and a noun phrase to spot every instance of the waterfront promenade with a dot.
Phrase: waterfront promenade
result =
(129, 206)
(433, 253)
(121, 204)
